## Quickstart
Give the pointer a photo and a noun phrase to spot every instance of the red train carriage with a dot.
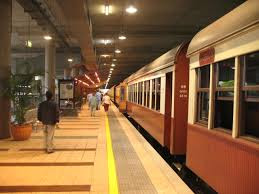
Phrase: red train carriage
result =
(157, 98)
(223, 119)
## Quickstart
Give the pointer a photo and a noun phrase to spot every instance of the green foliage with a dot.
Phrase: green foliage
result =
(19, 89)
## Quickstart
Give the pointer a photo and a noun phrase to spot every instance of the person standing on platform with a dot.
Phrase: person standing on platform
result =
(89, 96)
(106, 102)
(48, 114)
(98, 97)
(93, 104)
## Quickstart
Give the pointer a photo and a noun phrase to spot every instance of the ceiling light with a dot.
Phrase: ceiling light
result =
(96, 74)
(107, 9)
(70, 60)
(28, 43)
(104, 64)
(113, 65)
(131, 9)
(107, 41)
(111, 69)
(121, 37)
(47, 37)
(117, 51)
(104, 55)
(114, 59)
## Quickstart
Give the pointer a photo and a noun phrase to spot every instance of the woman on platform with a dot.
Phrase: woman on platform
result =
(106, 102)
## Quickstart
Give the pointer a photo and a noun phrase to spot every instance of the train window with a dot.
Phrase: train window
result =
(140, 90)
(203, 94)
(250, 95)
(224, 94)
(136, 87)
(158, 90)
(145, 93)
(148, 93)
(153, 104)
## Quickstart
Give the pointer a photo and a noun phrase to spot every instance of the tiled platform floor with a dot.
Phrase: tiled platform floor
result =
(80, 164)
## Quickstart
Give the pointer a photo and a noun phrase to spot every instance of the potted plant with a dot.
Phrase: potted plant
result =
(19, 90)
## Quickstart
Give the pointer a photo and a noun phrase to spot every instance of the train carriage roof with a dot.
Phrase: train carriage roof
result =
(241, 18)
(161, 62)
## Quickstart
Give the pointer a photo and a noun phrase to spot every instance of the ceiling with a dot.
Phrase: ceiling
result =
(80, 28)
(157, 27)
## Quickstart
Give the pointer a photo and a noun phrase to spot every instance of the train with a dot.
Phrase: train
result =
(201, 100)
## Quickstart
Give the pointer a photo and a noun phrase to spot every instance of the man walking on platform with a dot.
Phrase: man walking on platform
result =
(48, 114)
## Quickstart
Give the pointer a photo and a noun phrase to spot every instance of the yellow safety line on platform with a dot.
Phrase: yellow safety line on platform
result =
(113, 183)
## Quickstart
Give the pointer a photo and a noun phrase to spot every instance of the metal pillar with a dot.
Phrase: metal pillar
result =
(50, 66)
(5, 69)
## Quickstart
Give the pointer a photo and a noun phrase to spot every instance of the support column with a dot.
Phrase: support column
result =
(5, 69)
(50, 66)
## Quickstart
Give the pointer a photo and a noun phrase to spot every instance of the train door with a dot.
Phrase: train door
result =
(168, 110)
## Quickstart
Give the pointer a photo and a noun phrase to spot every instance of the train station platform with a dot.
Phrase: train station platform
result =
(98, 155)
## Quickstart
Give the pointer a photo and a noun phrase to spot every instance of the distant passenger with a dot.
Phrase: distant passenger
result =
(106, 102)
(48, 114)
(88, 99)
(93, 104)
(98, 98)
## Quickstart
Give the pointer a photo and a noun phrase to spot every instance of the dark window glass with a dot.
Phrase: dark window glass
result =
(153, 105)
(158, 91)
(148, 93)
(203, 107)
(250, 95)
(136, 93)
(145, 93)
(140, 91)
(203, 94)
(251, 69)
(204, 77)
(225, 71)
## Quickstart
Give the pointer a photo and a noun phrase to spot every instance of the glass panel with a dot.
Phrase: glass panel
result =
(251, 62)
(136, 93)
(158, 87)
(203, 107)
(224, 114)
(225, 94)
(250, 119)
(153, 94)
(225, 72)
(145, 93)
(140, 92)
(148, 93)
(204, 75)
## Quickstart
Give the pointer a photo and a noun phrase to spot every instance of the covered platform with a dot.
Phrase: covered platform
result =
(101, 154)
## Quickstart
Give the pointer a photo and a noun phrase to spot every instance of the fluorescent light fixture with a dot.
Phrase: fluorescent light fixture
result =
(106, 41)
(111, 69)
(107, 9)
(37, 77)
(47, 37)
(28, 43)
(96, 74)
(113, 65)
(121, 37)
(131, 9)
(104, 55)
(117, 51)
(87, 76)
(75, 78)
(70, 60)
(114, 59)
